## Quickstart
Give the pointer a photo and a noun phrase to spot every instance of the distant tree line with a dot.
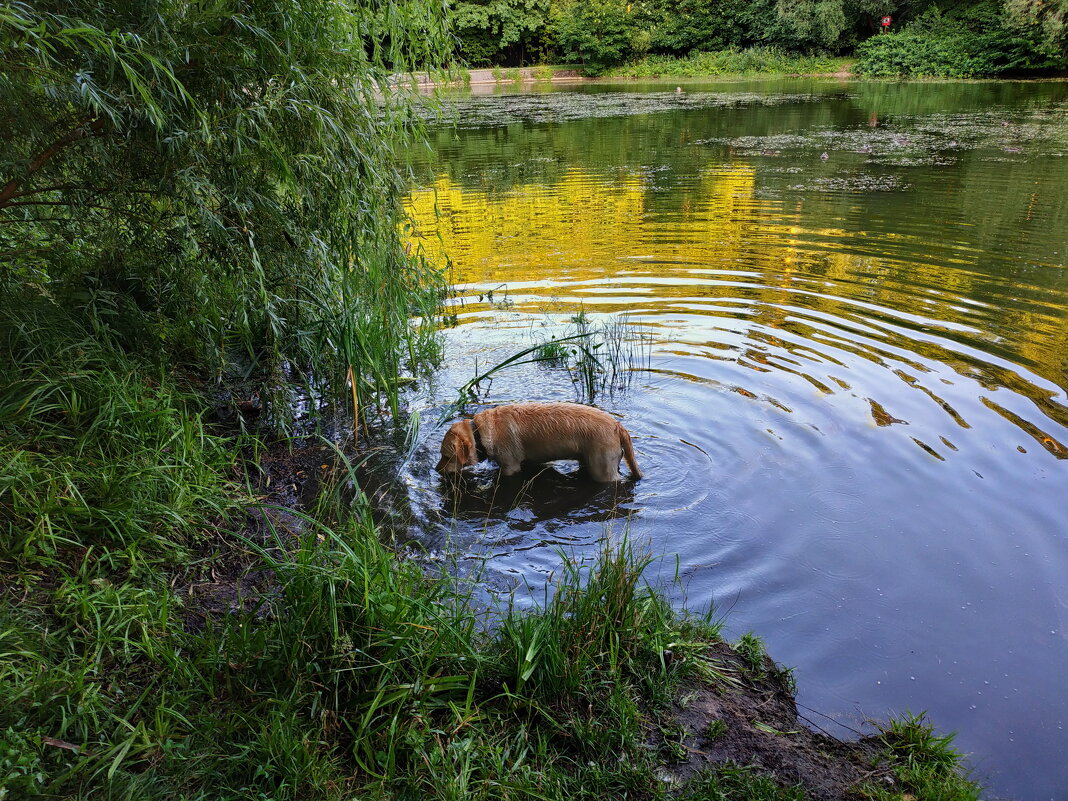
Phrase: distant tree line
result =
(927, 37)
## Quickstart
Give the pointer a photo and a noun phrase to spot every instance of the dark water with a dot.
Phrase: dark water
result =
(854, 421)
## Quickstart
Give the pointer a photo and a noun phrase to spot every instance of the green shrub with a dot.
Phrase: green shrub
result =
(599, 34)
(981, 44)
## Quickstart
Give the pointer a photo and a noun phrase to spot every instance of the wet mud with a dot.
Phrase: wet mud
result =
(756, 723)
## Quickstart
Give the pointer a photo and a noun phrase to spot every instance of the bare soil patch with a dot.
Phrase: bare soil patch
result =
(756, 723)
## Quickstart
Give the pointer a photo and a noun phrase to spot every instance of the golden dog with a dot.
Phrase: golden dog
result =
(539, 432)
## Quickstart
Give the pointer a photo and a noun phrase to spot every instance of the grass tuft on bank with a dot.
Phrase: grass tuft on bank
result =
(924, 763)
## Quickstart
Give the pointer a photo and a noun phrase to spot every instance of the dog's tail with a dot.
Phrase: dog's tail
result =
(628, 453)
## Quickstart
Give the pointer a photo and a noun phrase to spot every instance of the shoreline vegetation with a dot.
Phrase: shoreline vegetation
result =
(200, 236)
(930, 38)
(283, 651)
(755, 62)
(749, 62)
(726, 64)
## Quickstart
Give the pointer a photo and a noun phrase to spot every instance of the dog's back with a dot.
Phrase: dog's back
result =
(542, 432)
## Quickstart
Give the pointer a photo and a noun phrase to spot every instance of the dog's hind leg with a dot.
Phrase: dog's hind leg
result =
(509, 468)
(604, 466)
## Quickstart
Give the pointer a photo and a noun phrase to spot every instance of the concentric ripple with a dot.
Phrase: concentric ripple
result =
(852, 414)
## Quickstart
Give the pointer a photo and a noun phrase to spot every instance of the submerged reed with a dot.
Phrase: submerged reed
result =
(600, 356)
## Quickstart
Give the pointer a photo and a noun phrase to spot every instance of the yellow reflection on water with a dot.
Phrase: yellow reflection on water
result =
(582, 228)
(801, 287)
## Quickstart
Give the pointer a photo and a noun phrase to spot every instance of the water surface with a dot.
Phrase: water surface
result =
(853, 420)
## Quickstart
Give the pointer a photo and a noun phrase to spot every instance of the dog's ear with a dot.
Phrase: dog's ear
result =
(466, 443)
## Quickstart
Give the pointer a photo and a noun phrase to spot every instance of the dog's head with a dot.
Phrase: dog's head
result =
(457, 449)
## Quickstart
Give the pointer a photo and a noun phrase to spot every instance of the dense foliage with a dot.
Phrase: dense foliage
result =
(213, 183)
(964, 43)
(501, 31)
(599, 33)
(198, 213)
(1047, 17)
(932, 37)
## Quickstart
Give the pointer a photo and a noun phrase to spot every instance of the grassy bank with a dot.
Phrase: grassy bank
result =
(750, 61)
(342, 672)
(721, 63)
(175, 624)
(181, 617)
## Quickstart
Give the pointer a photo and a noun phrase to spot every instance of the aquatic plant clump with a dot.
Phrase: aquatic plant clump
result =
(600, 356)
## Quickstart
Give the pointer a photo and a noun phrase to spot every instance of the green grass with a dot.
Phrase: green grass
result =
(739, 783)
(751, 649)
(750, 61)
(102, 454)
(715, 730)
(357, 675)
(925, 764)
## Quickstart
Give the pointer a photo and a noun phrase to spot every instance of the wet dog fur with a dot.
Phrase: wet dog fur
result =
(539, 432)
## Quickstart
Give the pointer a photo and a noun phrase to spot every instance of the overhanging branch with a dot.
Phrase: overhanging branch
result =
(10, 190)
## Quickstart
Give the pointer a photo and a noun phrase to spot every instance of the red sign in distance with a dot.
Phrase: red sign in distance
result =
(886, 21)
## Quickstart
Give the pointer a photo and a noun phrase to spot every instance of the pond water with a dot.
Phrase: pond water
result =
(848, 305)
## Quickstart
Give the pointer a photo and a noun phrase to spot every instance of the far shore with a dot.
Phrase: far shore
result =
(511, 76)
(486, 79)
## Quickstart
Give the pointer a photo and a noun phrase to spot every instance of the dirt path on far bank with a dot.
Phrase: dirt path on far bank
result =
(845, 71)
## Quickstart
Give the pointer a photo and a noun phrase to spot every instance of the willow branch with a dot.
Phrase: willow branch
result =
(93, 128)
